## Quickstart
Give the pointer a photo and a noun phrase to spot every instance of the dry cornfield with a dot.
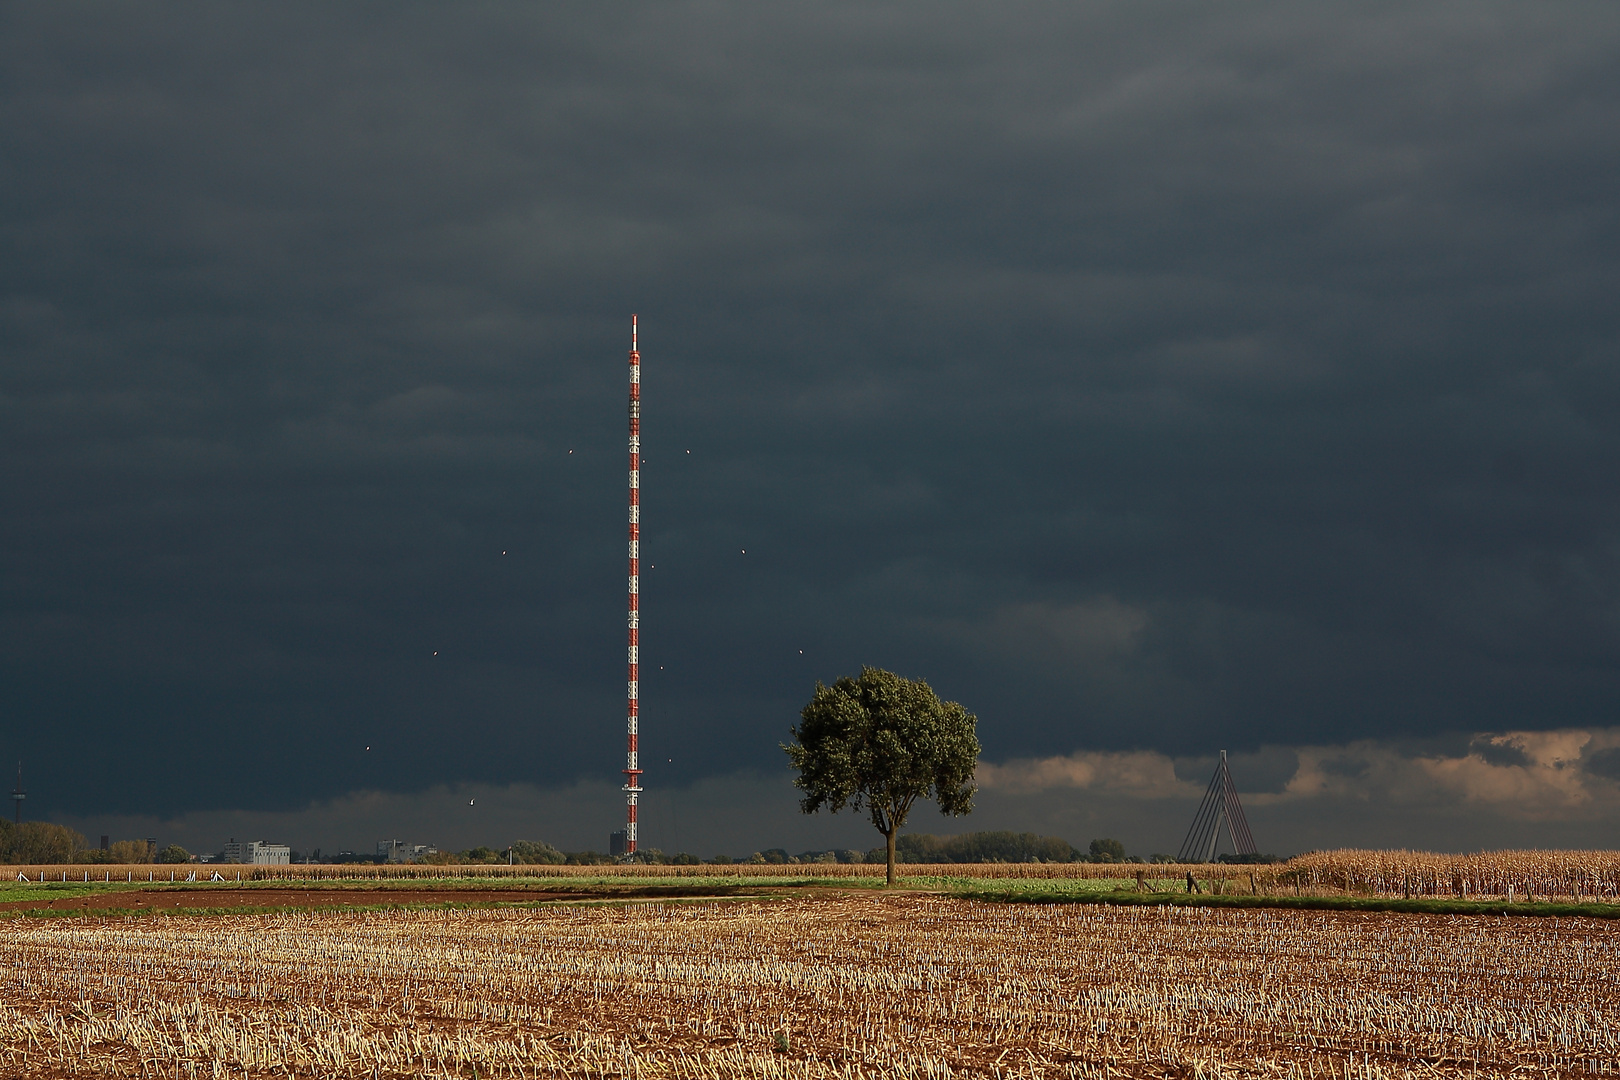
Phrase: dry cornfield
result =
(864, 985)
(1562, 875)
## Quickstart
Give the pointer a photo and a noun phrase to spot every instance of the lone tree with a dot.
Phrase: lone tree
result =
(881, 742)
(1107, 851)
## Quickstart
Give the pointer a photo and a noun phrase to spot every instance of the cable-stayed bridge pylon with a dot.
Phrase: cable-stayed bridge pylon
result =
(1219, 809)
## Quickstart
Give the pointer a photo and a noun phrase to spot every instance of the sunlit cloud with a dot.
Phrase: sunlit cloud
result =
(1537, 775)
(1143, 774)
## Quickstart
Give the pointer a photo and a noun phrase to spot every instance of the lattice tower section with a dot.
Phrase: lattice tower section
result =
(632, 758)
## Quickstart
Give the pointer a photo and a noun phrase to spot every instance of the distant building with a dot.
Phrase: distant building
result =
(269, 854)
(257, 853)
(400, 851)
(619, 843)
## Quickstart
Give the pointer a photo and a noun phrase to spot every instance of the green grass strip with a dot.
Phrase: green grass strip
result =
(57, 890)
(670, 886)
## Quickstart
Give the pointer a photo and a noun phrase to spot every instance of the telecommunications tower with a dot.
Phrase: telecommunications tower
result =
(1220, 807)
(632, 761)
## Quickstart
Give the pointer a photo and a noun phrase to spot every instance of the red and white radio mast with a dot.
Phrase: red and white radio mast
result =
(632, 761)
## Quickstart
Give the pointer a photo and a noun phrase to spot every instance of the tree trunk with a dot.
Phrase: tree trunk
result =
(890, 836)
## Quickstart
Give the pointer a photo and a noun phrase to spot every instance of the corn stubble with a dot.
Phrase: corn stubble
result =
(901, 986)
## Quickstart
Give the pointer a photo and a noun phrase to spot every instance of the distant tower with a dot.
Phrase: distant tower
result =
(1220, 807)
(632, 761)
(18, 795)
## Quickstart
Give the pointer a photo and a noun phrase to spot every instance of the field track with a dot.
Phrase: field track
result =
(834, 985)
(194, 899)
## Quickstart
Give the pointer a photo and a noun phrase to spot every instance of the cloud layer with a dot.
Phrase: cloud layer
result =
(1547, 789)
(1542, 788)
(1150, 379)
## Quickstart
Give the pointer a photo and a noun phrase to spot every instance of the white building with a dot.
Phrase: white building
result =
(269, 854)
(257, 852)
(400, 851)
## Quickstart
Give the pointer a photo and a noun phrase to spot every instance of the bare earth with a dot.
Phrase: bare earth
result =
(827, 986)
(193, 899)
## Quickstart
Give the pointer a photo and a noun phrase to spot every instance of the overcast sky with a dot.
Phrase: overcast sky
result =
(1150, 378)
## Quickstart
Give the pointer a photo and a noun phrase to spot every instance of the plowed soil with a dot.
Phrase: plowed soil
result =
(156, 899)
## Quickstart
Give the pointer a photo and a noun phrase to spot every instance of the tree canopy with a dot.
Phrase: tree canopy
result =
(1107, 850)
(879, 743)
(984, 847)
(35, 842)
(536, 851)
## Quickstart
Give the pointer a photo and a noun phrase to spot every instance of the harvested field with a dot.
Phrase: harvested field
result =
(832, 986)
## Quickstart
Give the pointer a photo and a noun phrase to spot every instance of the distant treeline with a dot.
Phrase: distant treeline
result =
(997, 847)
(37, 843)
(977, 847)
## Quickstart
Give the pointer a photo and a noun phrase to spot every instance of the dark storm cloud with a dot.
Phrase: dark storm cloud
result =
(1147, 377)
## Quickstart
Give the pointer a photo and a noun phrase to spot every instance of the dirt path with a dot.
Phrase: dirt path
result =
(157, 899)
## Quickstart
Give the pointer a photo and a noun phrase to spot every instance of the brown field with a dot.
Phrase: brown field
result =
(326, 898)
(835, 985)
